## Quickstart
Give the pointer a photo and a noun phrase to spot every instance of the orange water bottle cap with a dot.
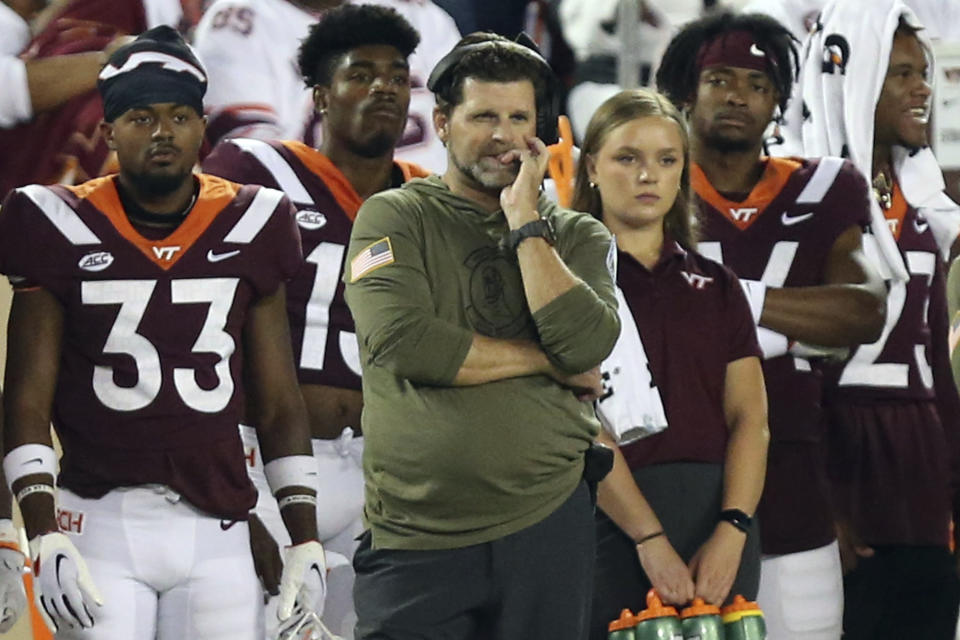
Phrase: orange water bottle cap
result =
(700, 608)
(655, 608)
(626, 621)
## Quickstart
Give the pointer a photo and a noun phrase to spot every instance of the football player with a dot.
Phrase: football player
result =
(145, 304)
(356, 62)
(790, 228)
(256, 89)
(893, 410)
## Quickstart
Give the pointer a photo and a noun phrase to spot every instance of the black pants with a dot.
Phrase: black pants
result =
(530, 585)
(686, 497)
(902, 593)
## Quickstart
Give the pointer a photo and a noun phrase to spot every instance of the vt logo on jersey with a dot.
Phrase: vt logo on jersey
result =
(96, 261)
(743, 214)
(893, 224)
(696, 280)
(165, 253)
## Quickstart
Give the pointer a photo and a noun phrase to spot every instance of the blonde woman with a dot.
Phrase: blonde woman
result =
(677, 508)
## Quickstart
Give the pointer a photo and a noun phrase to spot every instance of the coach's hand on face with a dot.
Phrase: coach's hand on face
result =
(519, 200)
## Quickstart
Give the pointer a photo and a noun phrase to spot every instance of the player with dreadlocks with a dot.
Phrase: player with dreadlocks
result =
(790, 228)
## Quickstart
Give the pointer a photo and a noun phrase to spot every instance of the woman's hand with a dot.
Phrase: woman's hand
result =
(666, 571)
(714, 567)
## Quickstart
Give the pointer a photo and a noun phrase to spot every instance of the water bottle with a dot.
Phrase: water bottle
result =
(743, 620)
(657, 622)
(622, 627)
(701, 621)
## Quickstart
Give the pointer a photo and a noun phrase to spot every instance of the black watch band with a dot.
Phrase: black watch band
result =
(737, 518)
(541, 228)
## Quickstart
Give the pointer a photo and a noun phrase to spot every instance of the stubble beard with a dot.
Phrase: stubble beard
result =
(489, 181)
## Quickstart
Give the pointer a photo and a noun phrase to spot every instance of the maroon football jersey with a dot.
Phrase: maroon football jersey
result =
(898, 365)
(322, 329)
(694, 320)
(782, 234)
(894, 410)
(150, 384)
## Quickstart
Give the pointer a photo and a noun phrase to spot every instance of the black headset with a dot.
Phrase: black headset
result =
(548, 105)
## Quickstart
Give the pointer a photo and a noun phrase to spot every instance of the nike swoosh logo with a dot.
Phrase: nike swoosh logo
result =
(32, 460)
(217, 257)
(791, 220)
(920, 226)
(226, 524)
(756, 51)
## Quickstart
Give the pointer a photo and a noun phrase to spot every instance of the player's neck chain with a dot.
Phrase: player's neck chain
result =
(883, 190)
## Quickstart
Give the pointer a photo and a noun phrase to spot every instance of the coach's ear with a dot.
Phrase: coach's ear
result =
(441, 123)
(106, 130)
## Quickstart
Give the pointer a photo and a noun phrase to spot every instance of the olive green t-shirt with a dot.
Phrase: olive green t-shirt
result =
(449, 466)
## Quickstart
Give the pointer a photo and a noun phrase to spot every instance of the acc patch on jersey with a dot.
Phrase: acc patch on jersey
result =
(375, 255)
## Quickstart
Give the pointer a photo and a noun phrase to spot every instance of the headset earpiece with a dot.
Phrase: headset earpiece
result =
(548, 105)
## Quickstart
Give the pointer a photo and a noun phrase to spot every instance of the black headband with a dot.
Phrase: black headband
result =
(159, 66)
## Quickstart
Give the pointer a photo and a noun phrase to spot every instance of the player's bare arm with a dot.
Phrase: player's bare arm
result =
(281, 417)
(34, 334)
(848, 309)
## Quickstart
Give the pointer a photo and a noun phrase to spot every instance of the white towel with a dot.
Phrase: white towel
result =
(632, 408)
(841, 107)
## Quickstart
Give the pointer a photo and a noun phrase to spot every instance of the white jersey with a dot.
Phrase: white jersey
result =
(249, 48)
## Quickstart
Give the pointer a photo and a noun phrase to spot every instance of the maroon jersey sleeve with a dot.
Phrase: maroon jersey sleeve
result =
(28, 242)
(229, 161)
(279, 241)
(741, 333)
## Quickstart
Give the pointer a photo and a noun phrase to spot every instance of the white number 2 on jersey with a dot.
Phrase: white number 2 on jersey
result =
(863, 370)
(328, 258)
(133, 297)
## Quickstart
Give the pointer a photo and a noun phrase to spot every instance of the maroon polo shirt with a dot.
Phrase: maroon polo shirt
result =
(693, 319)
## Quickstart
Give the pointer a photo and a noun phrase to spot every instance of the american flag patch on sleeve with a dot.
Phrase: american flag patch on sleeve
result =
(375, 255)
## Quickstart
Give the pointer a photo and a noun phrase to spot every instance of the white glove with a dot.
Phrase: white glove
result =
(66, 594)
(13, 597)
(304, 579)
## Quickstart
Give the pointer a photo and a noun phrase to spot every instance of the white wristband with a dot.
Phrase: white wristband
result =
(28, 459)
(34, 488)
(772, 344)
(756, 293)
(297, 498)
(292, 471)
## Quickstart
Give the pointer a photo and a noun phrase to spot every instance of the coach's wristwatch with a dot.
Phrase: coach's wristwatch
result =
(541, 228)
(737, 518)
